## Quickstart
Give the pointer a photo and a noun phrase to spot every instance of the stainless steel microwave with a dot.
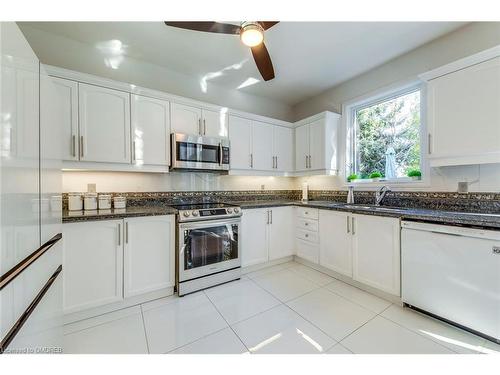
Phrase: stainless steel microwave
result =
(194, 152)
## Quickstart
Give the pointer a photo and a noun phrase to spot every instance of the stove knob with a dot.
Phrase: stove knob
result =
(229, 210)
(236, 210)
(186, 213)
(195, 213)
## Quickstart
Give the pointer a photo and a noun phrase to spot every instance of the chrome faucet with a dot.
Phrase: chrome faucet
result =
(380, 195)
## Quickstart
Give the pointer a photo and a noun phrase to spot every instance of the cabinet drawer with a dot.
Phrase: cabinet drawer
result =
(307, 213)
(308, 235)
(308, 251)
(307, 224)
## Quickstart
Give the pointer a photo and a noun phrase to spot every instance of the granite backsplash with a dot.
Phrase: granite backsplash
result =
(468, 202)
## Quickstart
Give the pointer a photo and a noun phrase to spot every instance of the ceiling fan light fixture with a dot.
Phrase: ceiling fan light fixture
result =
(252, 34)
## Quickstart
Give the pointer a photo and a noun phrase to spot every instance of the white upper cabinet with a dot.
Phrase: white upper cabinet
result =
(150, 130)
(65, 104)
(259, 146)
(215, 123)
(283, 148)
(188, 119)
(240, 138)
(262, 146)
(316, 144)
(464, 115)
(185, 119)
(302, 148)
(104, 117)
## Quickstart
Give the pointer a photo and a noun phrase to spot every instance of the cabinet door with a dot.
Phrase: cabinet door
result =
(283, 148)
(62, 103)
(262, 146)
(464, 111)
(185, 119)
(214, 123)
(150, 131)
(301, 147)
(240, 138)
(281, 241)
(307, 250)
(149, 254)
(92, 263)
(335, 241)
(317, 145)
(254, 237)
(104, 116)
(376, 252)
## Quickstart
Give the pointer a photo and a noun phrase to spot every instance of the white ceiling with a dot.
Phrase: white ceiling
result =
(308, 57)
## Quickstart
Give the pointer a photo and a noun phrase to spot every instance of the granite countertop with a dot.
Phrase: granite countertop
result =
(491, 221)
(487, 221)
(118, 213)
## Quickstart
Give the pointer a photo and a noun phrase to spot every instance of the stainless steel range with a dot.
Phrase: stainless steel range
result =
(208, 246)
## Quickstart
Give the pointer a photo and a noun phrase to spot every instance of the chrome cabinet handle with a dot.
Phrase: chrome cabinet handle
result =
(306, 224)
(309, 161)
(73, 145)
(496, 249)
(306, 235)
(306, 163)
(126, 232)
(271, 212)
(353, 232)
(348, 226)
(133, 150)
(276, 161)
(429, 143)
(81, 146)
(119, 234)
(204, 127)
(199, 127)
(267, 217)
(251, 160)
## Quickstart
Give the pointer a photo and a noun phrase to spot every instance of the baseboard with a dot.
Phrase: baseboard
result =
(129, 302)
(389, 297)
(256, 267)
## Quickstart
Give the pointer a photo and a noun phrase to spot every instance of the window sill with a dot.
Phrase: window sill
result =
(404, 182)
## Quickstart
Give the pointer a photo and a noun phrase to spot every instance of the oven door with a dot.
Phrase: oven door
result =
(208, 247)
(196, 152)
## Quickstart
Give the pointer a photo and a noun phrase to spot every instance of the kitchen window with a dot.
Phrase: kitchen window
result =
(384, 136)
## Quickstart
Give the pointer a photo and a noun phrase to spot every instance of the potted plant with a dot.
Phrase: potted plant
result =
(352, 177)
(415, 174)
(375, 176)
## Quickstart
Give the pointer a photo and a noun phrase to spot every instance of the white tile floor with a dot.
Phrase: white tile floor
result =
(289, 308)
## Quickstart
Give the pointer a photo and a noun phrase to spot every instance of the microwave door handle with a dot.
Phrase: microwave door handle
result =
(220, 154)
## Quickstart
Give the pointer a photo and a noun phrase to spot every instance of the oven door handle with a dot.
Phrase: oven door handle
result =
(209, 223)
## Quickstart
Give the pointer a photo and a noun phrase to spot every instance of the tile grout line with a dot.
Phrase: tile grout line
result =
(144, 328)
(239, 338)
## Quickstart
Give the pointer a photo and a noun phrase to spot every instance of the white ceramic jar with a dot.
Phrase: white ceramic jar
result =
(104, 201)
(75, 202)
(90, 201)
(120, 202)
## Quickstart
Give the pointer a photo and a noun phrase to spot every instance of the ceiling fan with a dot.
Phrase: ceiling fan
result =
(251, 34)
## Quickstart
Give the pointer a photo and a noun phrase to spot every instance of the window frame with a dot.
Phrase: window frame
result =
(349, 109)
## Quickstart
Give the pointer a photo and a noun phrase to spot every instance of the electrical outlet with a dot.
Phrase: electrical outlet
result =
(91, 188)
(463, 187)
(262, 187)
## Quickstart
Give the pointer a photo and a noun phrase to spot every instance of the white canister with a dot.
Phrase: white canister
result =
(75, 202)
(120, 202)
(90, 201)
(104, 201)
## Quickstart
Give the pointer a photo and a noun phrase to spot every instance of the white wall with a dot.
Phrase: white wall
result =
(76, 181)
(63, 52)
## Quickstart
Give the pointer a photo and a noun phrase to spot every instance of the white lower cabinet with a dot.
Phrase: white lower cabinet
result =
(92, 264)
(376, 250)
(335, 241)
(266, 235)
(364, 247)
(307, 235)
(110, 260)
(149, 259)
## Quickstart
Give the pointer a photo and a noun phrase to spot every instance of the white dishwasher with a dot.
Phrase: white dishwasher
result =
(453, 273)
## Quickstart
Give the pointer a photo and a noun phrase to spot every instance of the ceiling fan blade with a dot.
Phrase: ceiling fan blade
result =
(263, 61)
(206, 26)
(268, 24)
